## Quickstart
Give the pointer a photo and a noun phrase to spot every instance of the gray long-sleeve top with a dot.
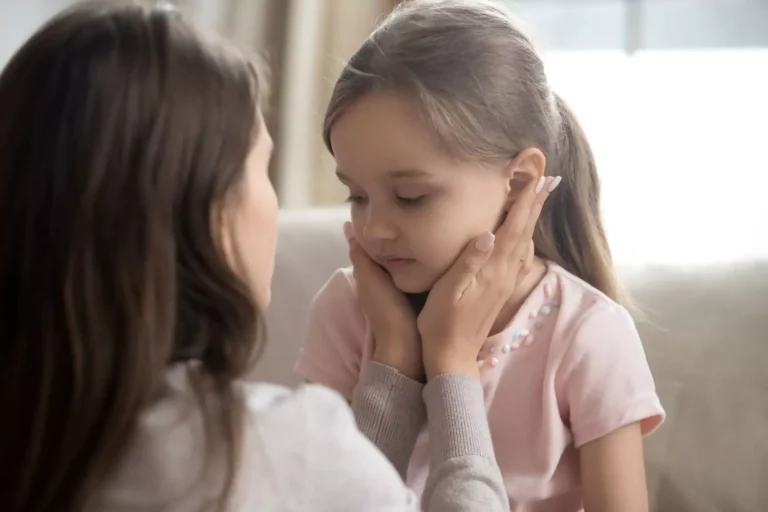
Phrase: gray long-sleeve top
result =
(304, 450)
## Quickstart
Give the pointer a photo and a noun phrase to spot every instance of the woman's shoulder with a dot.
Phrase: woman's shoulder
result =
(304, 445)
(309, 418)
(298, 450)
(269, 402)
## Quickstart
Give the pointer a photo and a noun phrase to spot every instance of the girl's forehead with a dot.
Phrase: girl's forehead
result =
(383, 133)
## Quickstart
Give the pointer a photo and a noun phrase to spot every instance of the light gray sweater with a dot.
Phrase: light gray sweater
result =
(302, 450)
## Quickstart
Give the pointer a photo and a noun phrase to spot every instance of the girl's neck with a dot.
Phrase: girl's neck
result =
(512, 306)
(515, 302)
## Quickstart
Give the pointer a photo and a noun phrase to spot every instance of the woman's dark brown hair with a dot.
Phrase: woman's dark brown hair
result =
(122, 132)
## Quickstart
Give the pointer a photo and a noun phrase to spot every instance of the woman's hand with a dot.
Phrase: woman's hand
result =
(465, 301)
(391, 316)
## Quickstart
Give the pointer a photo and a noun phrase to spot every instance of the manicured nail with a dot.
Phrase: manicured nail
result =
(348, 232)
(555, 183)
(540, 184)
(484, 242)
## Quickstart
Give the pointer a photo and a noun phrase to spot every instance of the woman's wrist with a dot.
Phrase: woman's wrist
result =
(406, 364)
(443, 357)
(434, 367)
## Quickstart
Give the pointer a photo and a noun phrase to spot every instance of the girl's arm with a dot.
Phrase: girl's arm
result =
(613, 472)
(610, 402)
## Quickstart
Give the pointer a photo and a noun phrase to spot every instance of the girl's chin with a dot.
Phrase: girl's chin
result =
(414, 286)
(416, 278)
(413, 289)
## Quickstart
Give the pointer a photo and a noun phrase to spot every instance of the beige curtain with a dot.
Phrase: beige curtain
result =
(306, 43)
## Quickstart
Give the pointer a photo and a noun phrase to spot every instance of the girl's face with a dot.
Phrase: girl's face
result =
(414, 207)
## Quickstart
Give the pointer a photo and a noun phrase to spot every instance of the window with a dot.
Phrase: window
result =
(674, 97)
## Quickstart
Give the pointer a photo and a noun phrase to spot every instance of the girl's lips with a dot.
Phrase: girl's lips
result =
(396, 263)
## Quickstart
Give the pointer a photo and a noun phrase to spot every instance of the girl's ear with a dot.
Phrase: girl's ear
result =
(529, 165)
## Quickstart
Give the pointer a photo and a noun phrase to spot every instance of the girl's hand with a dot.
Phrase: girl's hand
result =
(389, 312)
(465, 301)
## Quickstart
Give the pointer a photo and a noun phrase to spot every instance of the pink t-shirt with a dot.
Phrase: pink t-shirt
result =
(568, 369)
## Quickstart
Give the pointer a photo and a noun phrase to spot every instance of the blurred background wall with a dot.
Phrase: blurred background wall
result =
(672, 93)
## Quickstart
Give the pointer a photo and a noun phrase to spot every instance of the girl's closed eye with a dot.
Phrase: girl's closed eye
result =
(402, 200)
(412, 200)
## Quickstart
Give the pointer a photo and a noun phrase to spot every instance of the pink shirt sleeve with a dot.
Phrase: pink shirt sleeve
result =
(604, 380)
(337, 337)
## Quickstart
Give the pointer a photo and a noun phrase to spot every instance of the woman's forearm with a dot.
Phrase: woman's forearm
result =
(464, 474)
(391, 410)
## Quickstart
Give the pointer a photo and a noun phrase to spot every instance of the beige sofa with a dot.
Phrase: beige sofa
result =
(706, 337)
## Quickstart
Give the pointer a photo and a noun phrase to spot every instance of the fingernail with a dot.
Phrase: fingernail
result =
(555, 183)
(540, 184)
(484, 242)
(348, 231)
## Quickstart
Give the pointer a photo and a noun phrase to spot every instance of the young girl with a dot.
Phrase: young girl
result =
(437, 124)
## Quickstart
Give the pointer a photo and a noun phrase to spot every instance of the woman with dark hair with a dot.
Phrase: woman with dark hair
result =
(137, 238)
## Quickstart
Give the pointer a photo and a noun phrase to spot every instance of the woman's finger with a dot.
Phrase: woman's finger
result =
(354, 248)
(363, 267)
(538, 205)
(522, 217)
(512, 229)
(357, 256)
(349, 232)
(469, 263)
(521, 250)
(527, 264)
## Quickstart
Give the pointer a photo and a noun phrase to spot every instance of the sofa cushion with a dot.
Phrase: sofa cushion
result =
(706, 337)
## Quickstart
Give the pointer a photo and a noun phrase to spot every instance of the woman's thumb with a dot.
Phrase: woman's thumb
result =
(356, 255)
(349, 234)
(363, 267)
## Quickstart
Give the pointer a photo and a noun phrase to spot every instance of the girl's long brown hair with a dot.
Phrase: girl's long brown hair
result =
(481, 86)
(122, 132)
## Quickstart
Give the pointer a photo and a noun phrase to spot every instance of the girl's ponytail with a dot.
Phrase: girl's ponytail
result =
(570, 230)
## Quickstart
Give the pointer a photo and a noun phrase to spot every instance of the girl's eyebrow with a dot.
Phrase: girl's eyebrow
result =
(398, 174)
(409, 173)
